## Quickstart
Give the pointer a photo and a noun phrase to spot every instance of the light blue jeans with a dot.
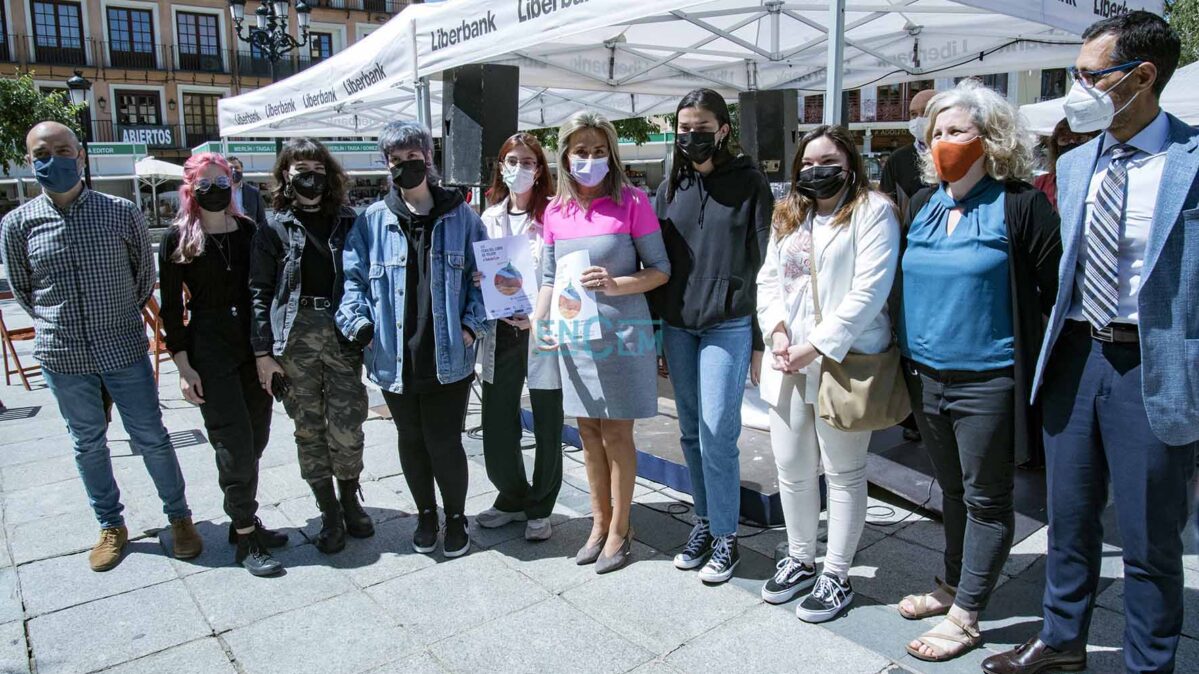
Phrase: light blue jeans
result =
(136, 397)
(707, 370)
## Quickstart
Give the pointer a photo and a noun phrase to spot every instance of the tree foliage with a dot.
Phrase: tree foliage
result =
(24, 105)
(1183, 16)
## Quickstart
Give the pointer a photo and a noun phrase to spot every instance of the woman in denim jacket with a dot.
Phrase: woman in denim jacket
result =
(409, 298)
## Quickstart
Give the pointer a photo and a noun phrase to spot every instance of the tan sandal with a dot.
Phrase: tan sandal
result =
(968, 640)
(920, 603)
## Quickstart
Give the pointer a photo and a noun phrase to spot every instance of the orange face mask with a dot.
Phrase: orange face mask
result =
(953, 160)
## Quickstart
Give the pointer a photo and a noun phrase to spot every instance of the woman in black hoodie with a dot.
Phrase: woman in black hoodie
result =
(715, 210)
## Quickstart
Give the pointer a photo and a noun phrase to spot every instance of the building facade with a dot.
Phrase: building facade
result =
(158, 68)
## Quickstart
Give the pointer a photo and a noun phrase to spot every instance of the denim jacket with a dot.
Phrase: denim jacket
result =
(376, 266)
(275, 289)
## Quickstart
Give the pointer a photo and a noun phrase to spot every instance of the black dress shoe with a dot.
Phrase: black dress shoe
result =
(1033, 657)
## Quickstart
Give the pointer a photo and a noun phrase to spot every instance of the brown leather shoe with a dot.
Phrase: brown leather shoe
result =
(188, 544)
(107, 552)
(1035, 656)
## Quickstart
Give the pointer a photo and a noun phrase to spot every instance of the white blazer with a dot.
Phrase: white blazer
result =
(856, 263)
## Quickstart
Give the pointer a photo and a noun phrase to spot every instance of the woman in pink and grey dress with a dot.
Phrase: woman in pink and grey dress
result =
(608, 382)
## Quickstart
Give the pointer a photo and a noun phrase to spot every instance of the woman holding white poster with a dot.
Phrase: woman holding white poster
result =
(519, 194)
(603, 252)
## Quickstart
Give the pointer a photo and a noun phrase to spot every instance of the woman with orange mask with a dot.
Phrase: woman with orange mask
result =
(977, 271)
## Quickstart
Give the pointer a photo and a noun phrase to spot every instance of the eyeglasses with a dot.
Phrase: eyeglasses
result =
(1088, 78)
(513, 162)
(204, 184)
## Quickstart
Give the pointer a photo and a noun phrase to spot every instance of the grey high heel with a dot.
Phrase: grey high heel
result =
(589, 553)
(619, 560)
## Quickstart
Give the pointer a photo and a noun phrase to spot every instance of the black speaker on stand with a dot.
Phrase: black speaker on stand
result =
(478, 104)
(770, 130)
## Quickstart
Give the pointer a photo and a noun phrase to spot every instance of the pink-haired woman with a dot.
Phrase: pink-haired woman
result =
(207, 250)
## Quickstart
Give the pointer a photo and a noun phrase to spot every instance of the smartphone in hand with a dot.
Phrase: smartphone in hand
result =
(280, 386)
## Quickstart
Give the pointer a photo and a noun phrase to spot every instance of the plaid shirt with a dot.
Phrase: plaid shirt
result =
(83, 275)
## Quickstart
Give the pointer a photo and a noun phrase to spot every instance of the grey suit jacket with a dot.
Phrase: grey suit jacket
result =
(1168, 301)
(252, 204)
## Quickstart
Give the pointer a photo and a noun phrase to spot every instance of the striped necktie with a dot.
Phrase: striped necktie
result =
(1101, 280)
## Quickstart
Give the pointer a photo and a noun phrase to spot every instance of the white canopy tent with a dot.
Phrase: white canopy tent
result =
(154, 173)
(635, 58)
(1180, 98)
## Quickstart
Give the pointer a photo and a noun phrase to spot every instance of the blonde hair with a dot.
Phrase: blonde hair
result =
(614, 183)
(1007, 144)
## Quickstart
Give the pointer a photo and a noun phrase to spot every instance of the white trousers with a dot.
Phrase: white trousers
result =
(802, 443)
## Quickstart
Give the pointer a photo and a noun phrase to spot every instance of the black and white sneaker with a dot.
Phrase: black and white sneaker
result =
(828, 599)
(424, 539)
(791, 578)
(699, 546)
(723, 560)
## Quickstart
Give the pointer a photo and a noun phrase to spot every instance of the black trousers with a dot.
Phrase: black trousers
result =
(502, 431)
(967, 421)
(1097, 431)
(236, 411)
(429, 425)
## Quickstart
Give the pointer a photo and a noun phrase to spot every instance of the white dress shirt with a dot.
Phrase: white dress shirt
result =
(237, 198)
(1144, 178)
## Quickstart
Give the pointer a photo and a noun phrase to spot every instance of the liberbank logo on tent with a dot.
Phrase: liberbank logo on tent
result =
(364, 79)
(527, 10)
(467, 30)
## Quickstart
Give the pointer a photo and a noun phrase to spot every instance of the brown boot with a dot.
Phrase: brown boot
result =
(107, 552)
(188, 544)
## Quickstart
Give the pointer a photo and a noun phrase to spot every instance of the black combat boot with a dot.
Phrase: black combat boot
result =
(358, 523)
(332, 537)
(253, 555)
(269, 537)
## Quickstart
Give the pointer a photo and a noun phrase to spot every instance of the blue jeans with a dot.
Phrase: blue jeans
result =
(707, 370)
(136, 397)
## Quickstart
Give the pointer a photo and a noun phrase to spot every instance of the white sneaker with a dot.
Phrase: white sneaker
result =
(538, 529)
(494, 518)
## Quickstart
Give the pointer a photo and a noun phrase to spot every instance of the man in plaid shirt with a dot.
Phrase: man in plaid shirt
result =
(79, 263)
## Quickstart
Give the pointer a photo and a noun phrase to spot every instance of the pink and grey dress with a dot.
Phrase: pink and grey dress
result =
(614, 377)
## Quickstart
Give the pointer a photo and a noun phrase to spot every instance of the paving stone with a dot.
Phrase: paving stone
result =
(926, 533)
(215, 534)
(876, 627)
(551, 563)
(346, 634)
(72, 532)
(386, 555)
(230, 597)
(14, 656)
(693, 607)
(487, 538)
(50, 500)
(573, 501)
(422, 662)
(893, 568)
(382, 459)
(282, 483)
(490, 648)
(10, 596)
(1105, 642)
(1113, 598)
(474, 589)
(752, 571)
(202, 656)
(1013, 614)
(1027, 552)
(477, 482)
(765, 639)
(37, 473)
(60, 582)
(655, 667)
(381, 503)
(657, 529)
(133, 624)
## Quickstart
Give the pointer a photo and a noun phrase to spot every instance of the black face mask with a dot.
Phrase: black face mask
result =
(821, 182)
(697, 146)
(408, 174)
(309, 184)
(237, 175)
(216, 199)
(1063, 149)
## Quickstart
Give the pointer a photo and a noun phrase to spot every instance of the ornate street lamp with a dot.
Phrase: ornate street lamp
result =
(77, 87)
(270, 32)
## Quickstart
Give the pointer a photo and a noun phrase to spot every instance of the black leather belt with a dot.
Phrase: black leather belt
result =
(318, 303)
(1114, 333)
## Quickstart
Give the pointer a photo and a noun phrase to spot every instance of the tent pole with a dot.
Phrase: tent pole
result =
(836, 57)
(424, 108)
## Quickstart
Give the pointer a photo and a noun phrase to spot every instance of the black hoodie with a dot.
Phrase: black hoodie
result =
(716, 229)
(420, 349)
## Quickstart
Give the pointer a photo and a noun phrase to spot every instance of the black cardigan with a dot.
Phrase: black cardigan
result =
(1035, 249)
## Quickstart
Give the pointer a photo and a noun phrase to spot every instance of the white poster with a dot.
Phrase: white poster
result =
(573, 309)
(510, 282)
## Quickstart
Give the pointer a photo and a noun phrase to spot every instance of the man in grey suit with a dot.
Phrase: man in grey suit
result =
(1119, 370)
(247, 197)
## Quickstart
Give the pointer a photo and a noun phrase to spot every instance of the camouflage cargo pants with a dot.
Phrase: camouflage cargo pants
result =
(327, 400)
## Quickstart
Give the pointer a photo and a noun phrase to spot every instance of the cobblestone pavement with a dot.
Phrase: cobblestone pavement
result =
(509, 606)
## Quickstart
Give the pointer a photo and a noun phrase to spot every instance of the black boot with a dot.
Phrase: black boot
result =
(269, 538)
(332, 537)
(253, 555)
(358, 523)
(425, 539)
(457, 541)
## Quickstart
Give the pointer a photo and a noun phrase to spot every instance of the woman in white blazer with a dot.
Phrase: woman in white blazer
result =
(832, 223)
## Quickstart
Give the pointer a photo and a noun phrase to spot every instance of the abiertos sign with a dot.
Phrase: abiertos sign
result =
(154, 136)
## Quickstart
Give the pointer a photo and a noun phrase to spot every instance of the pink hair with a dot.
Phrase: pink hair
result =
(191, 228)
